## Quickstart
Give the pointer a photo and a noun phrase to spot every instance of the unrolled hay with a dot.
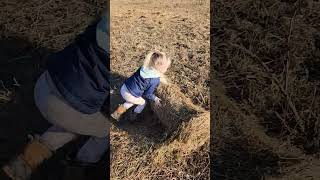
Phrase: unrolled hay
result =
(250, 128)
(5, 97)
(175, 107)
(192, 137)
(189, 152)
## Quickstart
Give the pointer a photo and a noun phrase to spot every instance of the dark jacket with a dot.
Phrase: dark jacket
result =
(81, 72)
(139, 86)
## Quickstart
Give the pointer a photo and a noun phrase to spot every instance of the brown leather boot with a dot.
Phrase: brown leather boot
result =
(22, 166)
(118, 112)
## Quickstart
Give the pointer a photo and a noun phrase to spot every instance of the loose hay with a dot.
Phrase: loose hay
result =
(184, 155)
(266, 54)
(254, 133)
(175, 107)
(4, 97)
(268, 60)
(49, 24)
(181, 29)
(187, 155)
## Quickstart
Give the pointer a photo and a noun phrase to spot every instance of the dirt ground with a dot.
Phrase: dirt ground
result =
(181, 29)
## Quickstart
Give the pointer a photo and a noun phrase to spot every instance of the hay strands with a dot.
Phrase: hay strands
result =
(273, 78)
(5, 95)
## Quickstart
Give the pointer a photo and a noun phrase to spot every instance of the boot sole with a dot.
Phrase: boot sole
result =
(115, 117)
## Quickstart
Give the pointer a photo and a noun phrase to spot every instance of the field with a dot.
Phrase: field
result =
(166, 143)
(265, 85)
(171, 142)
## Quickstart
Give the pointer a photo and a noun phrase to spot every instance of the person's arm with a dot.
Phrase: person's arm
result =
(149, 93)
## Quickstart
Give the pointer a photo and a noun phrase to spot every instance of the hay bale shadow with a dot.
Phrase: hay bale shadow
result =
(235, 162)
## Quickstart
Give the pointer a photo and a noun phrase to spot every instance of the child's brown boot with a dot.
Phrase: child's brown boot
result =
(118, 112)
(22, 166)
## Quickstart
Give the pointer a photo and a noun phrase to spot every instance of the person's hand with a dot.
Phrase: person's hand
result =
(157, 101)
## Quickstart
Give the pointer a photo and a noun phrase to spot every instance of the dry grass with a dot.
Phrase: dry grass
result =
(183, 152)
(187, 156)
(176, 107)
(184, 155)
(5, 94)
(248, 126)
(50, 24)
(267, 57)
(4, 97)
(181, 29)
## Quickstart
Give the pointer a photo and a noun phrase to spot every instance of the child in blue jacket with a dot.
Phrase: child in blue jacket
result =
(142, 84)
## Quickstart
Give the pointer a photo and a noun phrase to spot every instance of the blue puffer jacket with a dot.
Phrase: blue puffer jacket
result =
(81, 70)
(143, 84)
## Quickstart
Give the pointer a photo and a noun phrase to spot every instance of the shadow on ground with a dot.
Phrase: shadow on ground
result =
(147, 123)
(235, 162)
(233, 159)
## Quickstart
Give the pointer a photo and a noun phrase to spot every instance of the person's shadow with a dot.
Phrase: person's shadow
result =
(20, 66)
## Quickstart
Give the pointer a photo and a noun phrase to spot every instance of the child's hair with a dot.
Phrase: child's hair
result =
(154, 59)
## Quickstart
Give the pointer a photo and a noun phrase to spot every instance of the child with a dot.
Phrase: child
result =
(70, 95)
(142, 84)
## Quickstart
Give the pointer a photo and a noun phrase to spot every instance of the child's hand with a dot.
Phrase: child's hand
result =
(157, 101)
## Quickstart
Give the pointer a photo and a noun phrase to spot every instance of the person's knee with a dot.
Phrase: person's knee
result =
(93, 149)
